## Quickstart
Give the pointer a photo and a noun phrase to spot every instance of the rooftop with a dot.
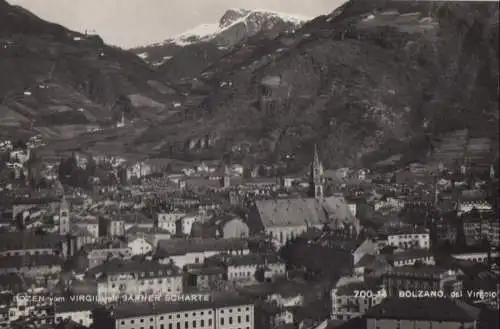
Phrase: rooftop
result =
(176, 247)
(417, 270)
(244, 260)
(31, 260)
(28, 240)
(130, 310)
(149, 268)
(427, 309)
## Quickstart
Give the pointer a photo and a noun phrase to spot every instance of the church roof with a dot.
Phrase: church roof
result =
(303, 211)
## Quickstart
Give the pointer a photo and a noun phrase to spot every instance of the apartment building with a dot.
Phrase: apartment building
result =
(221, 312)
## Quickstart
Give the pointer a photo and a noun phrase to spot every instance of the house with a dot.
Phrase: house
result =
(476, 256)
(185, 224)
(411, 257)
(88, 224)
(480, 225)
(194, 251)
(245, 268)
(140, 246)
(137, 219)
(29, 243)
(34, 266)
(406, 237)
(167, 221)
(134, 278)
(424, 313)
(421, 278)
(101, 254)
(20, 155)
(367, 247)
(270, 315)
(138, 170)
(354, 298)
(79, 312)
(232, 227)
(473, 199)
(152, 235)
(371, 265)
(204, 278)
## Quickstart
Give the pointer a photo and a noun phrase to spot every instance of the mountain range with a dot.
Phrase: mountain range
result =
(371, 80)
(187, 54)
(56, 82)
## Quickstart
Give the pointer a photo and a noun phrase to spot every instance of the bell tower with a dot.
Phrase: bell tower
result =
(316, 178)
(64, 219)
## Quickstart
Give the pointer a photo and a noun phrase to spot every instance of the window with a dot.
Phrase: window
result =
(221, 321)
(202, 323)
(194, 323)
(239, 319)
(209, 322)
(247, 318)
(178, 325)
(230, 320)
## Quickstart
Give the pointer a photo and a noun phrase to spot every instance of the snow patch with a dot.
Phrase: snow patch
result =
(27, 93)
(143, 55)
(368, 18)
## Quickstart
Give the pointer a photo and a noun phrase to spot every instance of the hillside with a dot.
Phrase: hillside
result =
(187, 54)
(372, 77)
(54, 80)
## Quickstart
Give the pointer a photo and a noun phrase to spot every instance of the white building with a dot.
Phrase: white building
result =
(117, 277)
(225, 312)
(138, 170)
(20, 155)
(140, 246)
(186, 223)
(408, 238)
(467, 206)
(352, 298)
(91, 225)
(98, 256)
(79, 312)
(167, 221)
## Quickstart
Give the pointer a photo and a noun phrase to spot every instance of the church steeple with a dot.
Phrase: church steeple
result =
(316, 179)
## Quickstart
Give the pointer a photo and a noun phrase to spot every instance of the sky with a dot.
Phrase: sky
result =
(131, 23)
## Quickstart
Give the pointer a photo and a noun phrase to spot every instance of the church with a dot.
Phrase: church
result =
(285, 219)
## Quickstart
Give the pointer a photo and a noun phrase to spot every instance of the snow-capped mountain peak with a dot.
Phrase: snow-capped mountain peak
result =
(231, 18)
(235, 26)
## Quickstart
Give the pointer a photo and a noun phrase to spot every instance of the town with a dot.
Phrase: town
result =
(97, 241)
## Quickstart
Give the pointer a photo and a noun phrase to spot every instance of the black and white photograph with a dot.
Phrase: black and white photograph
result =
(249, 164)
